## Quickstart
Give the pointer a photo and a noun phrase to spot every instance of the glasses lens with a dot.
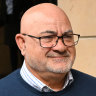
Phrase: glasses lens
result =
(48, 41)
(70, 40)
(51, 41)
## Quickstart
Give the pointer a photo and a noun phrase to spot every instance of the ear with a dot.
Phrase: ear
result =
(20, 43)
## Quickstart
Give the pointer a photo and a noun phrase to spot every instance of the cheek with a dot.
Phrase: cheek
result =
(35, 52)
(38, 53)
(72, 52)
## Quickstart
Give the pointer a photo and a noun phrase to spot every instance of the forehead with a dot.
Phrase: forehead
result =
(44, 27)
(38, 22)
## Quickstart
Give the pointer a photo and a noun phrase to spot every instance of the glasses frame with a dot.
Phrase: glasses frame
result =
(62, 37)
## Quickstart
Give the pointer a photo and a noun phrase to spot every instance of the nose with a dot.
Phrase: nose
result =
(60, 46)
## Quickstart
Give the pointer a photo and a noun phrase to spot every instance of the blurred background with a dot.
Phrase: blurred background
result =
(82, 15)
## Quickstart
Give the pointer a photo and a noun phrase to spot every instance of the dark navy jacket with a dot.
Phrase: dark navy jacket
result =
(14, 85)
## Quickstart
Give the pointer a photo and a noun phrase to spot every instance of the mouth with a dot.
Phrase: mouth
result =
(65, 55)
(57, 56)
(60, 59)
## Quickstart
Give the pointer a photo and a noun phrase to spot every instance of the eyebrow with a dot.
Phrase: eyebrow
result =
(49, 31)
(67, 32)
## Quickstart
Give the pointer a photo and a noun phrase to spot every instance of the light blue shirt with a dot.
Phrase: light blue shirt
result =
(37, 84)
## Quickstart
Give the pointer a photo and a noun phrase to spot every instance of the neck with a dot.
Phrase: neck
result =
(53, 80)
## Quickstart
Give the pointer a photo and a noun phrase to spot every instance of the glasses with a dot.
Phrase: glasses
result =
(52, 40)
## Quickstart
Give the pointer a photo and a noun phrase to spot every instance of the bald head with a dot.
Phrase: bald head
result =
(42, 13)
(45, 8)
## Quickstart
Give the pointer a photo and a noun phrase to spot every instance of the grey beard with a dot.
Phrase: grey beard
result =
(64, 69)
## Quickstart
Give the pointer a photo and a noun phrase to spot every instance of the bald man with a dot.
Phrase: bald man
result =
(47, 43)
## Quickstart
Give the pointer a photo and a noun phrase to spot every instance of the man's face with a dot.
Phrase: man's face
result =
(58, 59)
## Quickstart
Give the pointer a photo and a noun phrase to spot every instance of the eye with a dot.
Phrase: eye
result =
(68, 36)
(47, 39)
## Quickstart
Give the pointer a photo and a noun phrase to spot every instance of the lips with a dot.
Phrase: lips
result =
(60, 59)
(57, 56)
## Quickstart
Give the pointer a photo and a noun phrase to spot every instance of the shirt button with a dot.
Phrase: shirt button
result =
(46, 89)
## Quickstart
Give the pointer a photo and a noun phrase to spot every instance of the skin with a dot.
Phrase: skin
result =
(50, 65)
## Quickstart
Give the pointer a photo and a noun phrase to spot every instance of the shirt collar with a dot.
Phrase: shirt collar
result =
(37, 84)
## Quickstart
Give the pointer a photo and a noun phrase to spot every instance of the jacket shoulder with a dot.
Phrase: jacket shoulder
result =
(78, 73)
(83, 78)
(10, 79)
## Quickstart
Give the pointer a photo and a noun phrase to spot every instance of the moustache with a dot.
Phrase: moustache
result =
(58, 54)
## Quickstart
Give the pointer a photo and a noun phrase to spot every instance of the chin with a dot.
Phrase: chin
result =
(60, 66)
(59, 70)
